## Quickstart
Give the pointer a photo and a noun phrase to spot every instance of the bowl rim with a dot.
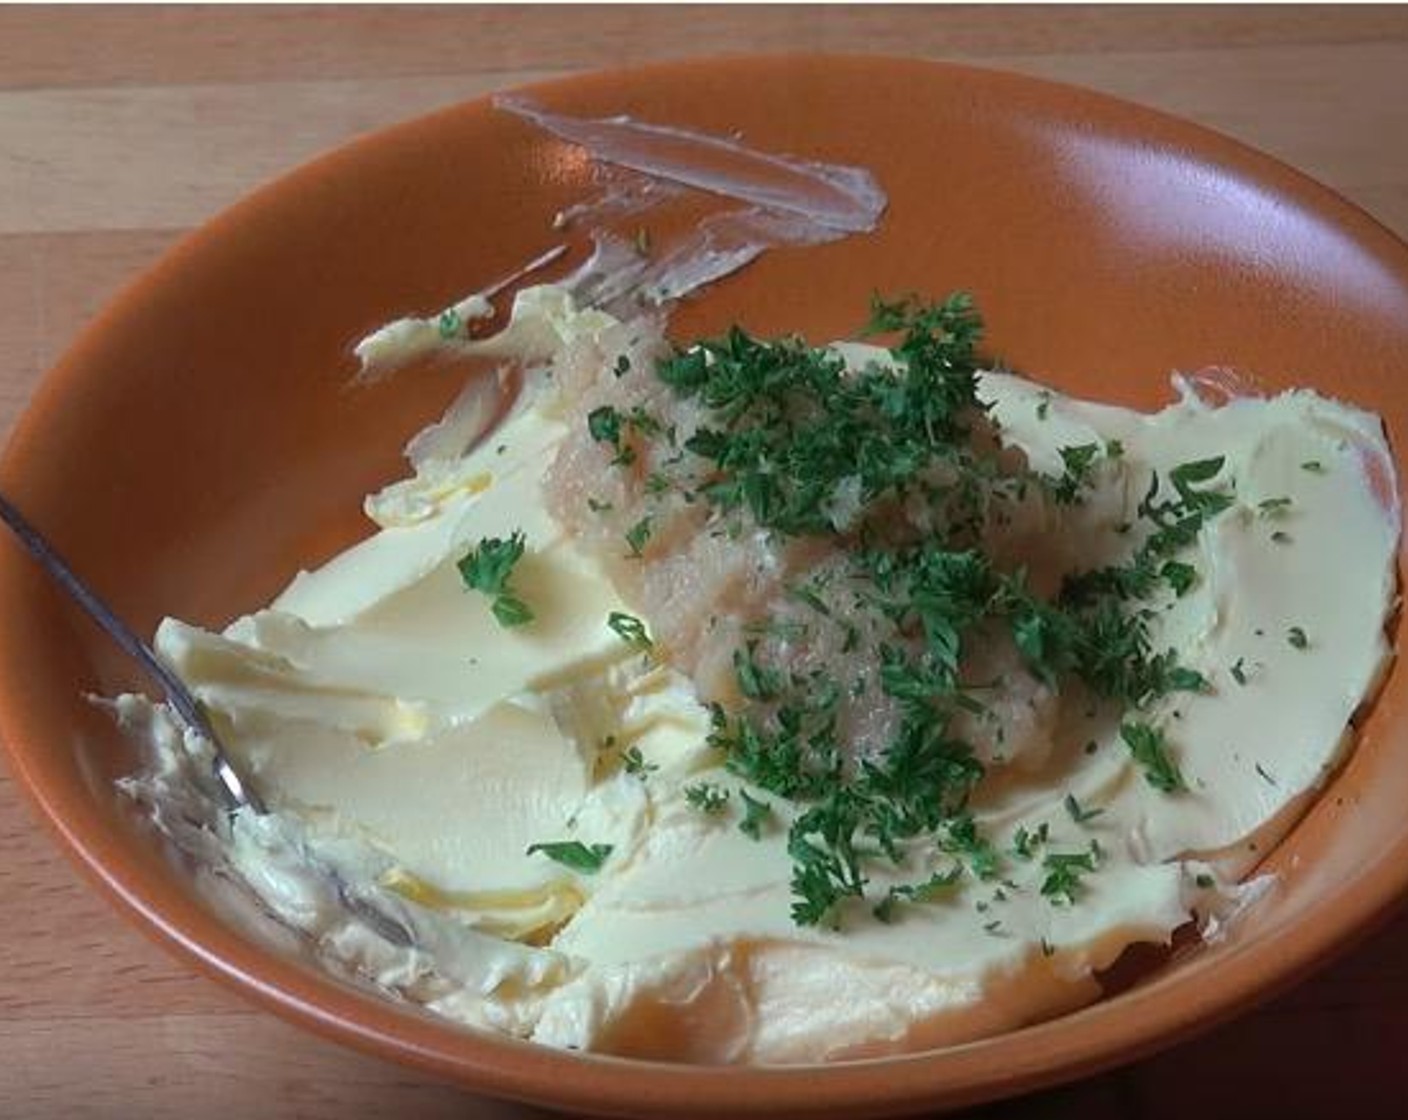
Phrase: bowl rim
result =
(1007, 1064)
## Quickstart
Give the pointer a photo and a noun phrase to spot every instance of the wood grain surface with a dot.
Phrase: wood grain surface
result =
(122, 127)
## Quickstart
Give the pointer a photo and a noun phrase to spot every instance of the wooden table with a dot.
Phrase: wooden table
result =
(120, 128)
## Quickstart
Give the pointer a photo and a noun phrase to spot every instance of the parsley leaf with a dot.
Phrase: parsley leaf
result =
(450, 323)
(1149, 749)
(1078, 462)
(636, 764)
(487, 568)
(937, 887)
(1078, 813)
(574, 854)
(1179, 576)
(755, 681)
(810, 597)
(1064, 874)
(756, 813)
(1025, 841)
(706, 797)
(509, 611)
(629, 629)
(637, 536)
(604, 425)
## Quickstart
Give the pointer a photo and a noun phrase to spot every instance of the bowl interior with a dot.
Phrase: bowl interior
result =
(200, 442)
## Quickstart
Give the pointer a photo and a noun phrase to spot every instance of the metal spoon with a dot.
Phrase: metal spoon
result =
(235, 789)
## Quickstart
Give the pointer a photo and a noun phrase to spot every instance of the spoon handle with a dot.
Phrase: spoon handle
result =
(237, 792)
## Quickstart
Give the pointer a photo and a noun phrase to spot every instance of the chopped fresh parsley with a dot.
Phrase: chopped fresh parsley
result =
(939, 886)
(1179, 576)
(629, 629)
(510, 611)
(1149, 749)
(1025, 841)
(1079, 813)
(586, 858)
(604, 425)
(963, 839)
(638, 534)
(635, 763)
(1078, 463)
(1176, 522)
(825, 867)
(784, 440)
(644, 422)
(1065, 872)
(794, 439)
(656, 483)
(755, 681)
(706, 797)
(756, 814)
(487, 568)
(450, 323)
(809, 596)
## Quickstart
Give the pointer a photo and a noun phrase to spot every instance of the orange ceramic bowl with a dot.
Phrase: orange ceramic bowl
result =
(199, 442)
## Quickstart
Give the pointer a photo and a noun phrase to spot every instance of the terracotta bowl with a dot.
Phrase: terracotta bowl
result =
(199, 442)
